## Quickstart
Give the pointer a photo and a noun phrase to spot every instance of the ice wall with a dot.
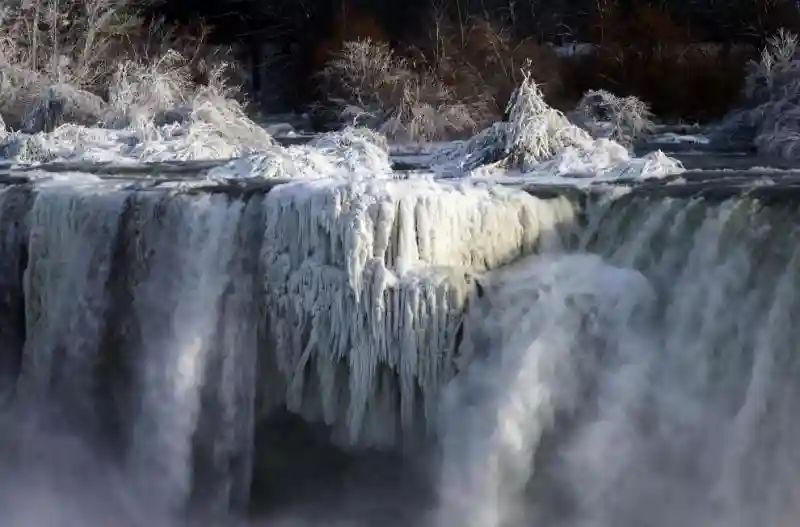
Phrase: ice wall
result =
(368, 281)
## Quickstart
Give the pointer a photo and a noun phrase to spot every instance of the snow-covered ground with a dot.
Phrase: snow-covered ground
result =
(538, 143)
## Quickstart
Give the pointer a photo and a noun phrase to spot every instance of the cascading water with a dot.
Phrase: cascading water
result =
(537, 334)
(655, 387)
(633, 365)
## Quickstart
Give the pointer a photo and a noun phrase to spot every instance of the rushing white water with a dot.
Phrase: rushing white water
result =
(601, 398)
(71, 235)
(537, 335)
(177, 305)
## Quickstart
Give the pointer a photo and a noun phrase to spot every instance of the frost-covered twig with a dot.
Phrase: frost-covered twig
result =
(369, 85)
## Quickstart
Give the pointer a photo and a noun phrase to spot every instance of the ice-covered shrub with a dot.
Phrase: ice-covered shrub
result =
(605, 115)
(19, 88)
(355, 149)
(59, 59)
(540, 141)
(68, 42)
(536, 131)
(367, 84)
(771, 119)
(139, 92)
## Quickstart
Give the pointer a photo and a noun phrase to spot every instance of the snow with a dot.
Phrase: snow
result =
(352, 153)
(540, 144)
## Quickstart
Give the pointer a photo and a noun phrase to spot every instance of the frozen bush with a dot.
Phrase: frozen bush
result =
(18, 90)
(771, 120)
(536, 131)
(355, 149)
(139, 92)
(367, 84)
(540, 141)
(605, 115)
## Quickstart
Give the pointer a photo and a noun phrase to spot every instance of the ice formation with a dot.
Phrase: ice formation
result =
(540, 143)
(368, 281)
(353, 153)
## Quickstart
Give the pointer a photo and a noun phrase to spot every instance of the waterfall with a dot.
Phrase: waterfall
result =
(609, 361)
(158, 328)
(644, 376)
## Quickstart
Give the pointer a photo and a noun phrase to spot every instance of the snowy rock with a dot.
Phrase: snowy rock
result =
(60, 104)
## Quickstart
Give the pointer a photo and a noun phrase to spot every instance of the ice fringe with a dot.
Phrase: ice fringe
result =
(539, 142)
(368, 281)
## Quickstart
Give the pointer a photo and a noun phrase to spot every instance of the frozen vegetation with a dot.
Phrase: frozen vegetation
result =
(771, 119)
(154, 113)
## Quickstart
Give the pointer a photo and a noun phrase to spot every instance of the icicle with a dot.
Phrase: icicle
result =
(374, 276)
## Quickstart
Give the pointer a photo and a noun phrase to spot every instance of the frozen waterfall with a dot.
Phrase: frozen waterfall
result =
(551, 357)
(165, 324)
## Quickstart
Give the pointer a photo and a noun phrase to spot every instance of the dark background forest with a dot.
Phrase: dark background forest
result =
(648, 48)
(686, 58)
